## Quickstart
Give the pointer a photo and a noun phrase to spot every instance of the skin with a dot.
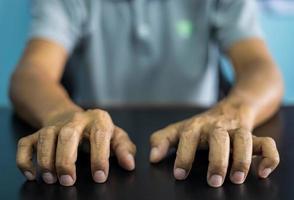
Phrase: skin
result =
(40, 99)
(254, 98)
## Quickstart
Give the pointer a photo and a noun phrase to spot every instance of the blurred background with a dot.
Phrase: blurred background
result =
(276, 17)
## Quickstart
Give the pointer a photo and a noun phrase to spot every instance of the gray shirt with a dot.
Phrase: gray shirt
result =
(144, 51)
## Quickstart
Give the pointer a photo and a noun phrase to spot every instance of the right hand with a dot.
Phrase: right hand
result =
(57, 144)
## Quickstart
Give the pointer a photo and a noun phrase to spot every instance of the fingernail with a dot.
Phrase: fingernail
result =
(29, 175)
(131, 161)
(48, 178)
(66, 180)
(264, 173)
(154, 154)
(238, 177)
(215, 180)
(180, 174)
(99, 176)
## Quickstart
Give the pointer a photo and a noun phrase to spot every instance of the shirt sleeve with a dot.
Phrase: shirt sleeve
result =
(58, 20)
(235, 20)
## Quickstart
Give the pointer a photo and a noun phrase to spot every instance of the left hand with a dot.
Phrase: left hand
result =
(226, 126)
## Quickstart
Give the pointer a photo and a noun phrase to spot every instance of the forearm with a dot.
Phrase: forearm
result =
(37, 98)
(259, 87)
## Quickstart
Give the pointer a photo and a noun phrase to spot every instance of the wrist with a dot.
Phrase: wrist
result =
(62, 112)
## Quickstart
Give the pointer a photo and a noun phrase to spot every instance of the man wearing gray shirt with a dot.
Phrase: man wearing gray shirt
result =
(145, 52)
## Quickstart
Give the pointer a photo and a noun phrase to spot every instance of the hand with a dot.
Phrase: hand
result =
(57, 147)
(221, 128)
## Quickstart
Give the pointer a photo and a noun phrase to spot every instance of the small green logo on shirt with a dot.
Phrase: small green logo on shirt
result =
(184, 28)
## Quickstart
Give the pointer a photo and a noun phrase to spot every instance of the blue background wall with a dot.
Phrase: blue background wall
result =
(279, 31)
(14, 20)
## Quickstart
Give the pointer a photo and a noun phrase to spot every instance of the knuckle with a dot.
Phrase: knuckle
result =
(223, 136)
(64, 165)
(275, 160)
(100, 128)
(43, 135)
(67, 133)
(62, 162)
(269, 140)
(78, 116)
(243, 165)
(45, 163)
(220, 135)
(129, 146)
(156, 134)
(219, 124)
(100, 135)
(104, 114)
(119, 131)
(193, 122)
(171, 127)
(219, 130)
(219, 166)
(99, 164)
(242, 135)
(21, 163)
(50, 130)
(188, 134)
(155, 137)
(68, 129)
(243, 130)
(101, 114)
(23, 142)
(183, 162)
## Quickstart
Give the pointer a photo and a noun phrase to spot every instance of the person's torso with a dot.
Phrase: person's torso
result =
(146, 51)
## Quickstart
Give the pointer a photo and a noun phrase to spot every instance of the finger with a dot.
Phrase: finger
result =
(161, 141)
(66, 152)
(46, 153)
(189, 139)
(266, 147)
(100, 136)
(124, 149)
(24, 156)
(219, 149)
(242, 155)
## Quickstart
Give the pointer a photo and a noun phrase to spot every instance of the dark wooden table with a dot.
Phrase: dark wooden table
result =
(149, 181)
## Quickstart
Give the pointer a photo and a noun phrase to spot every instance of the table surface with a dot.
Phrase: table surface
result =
(149, 181)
